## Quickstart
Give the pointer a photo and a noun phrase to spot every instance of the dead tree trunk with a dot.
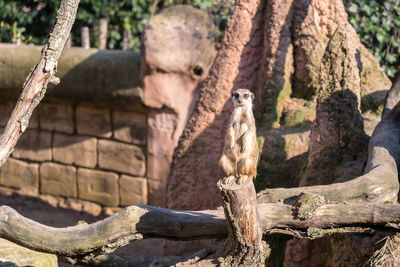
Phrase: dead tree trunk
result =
(85, 37)
(103, 27)
(245, 246)
(127, 37)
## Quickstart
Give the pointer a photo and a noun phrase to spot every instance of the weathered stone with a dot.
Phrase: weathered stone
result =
(157, 193)
(337, 136)
(79, 150)
(130, 127)
(284, 154)
(110, 211)
(34, 145)
(122, 157)
(58, 180)
(158, 166)
(93, 121)
(14, 255)
(296, 111)
(56, 117)
(98, 186)
(183, 33)
(133, 190)
(21, 175)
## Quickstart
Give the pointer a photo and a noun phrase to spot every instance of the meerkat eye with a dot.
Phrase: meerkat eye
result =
(246, 96)
(236, 95)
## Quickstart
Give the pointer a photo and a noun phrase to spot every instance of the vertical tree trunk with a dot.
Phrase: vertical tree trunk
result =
(85, 37)
(245, 247)
(127, 40)
(103, 27)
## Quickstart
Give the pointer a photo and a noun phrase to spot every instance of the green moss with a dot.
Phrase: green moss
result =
(307, 204)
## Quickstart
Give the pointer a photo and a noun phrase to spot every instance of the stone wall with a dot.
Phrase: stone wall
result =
(81, 152)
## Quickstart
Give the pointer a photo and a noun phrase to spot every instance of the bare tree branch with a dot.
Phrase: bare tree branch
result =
(35, 85)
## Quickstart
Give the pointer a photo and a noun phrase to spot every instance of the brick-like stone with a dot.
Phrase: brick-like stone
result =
(21, 175)
(34, 145)
(79, 150)
(56, 117)
(93, 121)
(6, 107)
(132, 190)
(122, 157)
(98, 186)
(58, 180)
(130, 127)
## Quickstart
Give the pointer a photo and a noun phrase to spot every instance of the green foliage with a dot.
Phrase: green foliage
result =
(29, 21)
(377, 23)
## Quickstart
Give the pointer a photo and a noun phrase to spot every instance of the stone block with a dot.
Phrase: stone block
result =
(157, 193)
(79, 150)
(98, 186)
(34, 145)
(21, 175)
(58, 180)
(122, 157)
(132, 190)
(130, 127)
(93, 121)
(56, 117)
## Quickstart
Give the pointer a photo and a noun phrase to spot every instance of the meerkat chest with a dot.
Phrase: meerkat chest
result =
(239, 124)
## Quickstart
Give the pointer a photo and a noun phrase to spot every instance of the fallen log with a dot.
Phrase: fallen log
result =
(84, 241)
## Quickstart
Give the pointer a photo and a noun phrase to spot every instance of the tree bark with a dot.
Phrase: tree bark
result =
(103, 28)
(245, 245)
(35, 85)
(83, 242)
(85, 37)
(127, 40)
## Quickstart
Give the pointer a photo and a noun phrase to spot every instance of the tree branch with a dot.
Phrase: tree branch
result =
(35, 85)
(84, 241)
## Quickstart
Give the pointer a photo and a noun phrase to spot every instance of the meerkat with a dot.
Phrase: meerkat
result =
(240, 154)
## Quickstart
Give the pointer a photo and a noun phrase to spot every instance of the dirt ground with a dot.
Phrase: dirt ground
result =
(40, 211)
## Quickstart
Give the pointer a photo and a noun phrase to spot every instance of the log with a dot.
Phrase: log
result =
(83, 242)
(245, 247)
(35, 85)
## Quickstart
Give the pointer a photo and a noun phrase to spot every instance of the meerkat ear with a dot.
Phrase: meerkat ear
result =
(252, 96)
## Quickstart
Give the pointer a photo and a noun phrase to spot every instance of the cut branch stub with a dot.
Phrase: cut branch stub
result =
(244, 226)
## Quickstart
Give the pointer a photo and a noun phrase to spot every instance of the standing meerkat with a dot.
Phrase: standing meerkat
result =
(240, 155)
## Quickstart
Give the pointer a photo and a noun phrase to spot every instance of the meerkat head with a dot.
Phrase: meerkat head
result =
(242, 97)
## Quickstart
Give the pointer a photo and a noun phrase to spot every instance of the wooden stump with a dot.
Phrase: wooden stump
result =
(243, 221)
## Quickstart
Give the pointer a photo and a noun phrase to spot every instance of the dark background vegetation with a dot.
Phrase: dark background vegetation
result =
(28, 21)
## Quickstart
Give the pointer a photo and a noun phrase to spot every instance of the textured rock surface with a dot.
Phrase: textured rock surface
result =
(338, 143)
(34, 145)
(177, 53)
(20, 175)
(133, 190)
(56, 117)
